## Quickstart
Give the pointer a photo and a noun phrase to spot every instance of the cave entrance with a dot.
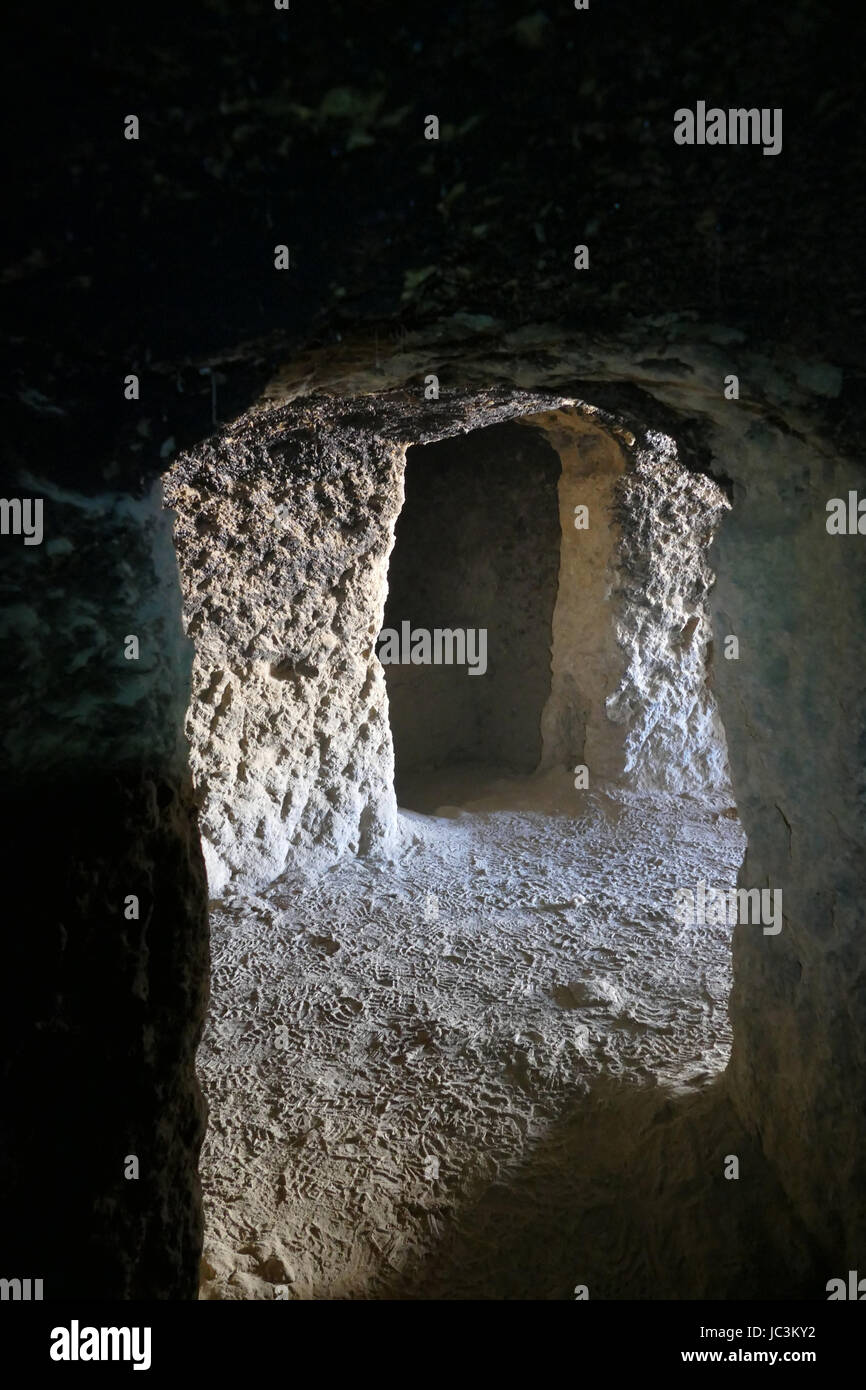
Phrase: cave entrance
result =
(467, 632)
(411, 1003)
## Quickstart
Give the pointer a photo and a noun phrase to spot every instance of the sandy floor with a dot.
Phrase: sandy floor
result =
(425, 1079)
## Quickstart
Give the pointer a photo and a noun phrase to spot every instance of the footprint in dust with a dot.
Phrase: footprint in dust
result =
(562, 995)
(325, 944)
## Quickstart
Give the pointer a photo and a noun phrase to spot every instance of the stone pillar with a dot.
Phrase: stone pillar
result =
(587, 663)
(283, 549)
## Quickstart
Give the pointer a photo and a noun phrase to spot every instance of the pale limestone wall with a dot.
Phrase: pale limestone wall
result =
(630, 696)
(284, 528)
(284, 541)
(283, 549)
(667, 516)
(587, 663)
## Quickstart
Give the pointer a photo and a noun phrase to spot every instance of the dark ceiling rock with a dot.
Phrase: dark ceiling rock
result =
(261, 127)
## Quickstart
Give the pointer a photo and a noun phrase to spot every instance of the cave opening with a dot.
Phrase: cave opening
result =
(445, 904)
(472, 583)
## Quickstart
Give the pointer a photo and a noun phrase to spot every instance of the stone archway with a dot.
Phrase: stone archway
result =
(797, 1043)
(728, 442)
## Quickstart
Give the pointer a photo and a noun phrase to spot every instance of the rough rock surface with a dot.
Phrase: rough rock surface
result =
(287, 548)
(110, 885)
(674, 739)
(284, 535)
(792, 707)
(587, 662)
(632, 637)
(491, 1070)
(799, 794)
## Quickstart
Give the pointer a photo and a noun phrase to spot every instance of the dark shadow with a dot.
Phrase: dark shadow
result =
(476, 550)
(626, 1195)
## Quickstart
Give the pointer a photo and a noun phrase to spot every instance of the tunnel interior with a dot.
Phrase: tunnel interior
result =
(476, 554)
(431, 885)
(468, 1047)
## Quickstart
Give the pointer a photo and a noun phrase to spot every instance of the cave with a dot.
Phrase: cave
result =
(530, 971)
(443, 867)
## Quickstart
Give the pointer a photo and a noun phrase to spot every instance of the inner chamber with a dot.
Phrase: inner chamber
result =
(476, 559)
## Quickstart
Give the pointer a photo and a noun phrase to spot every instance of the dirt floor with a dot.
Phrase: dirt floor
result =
(430, 1079)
